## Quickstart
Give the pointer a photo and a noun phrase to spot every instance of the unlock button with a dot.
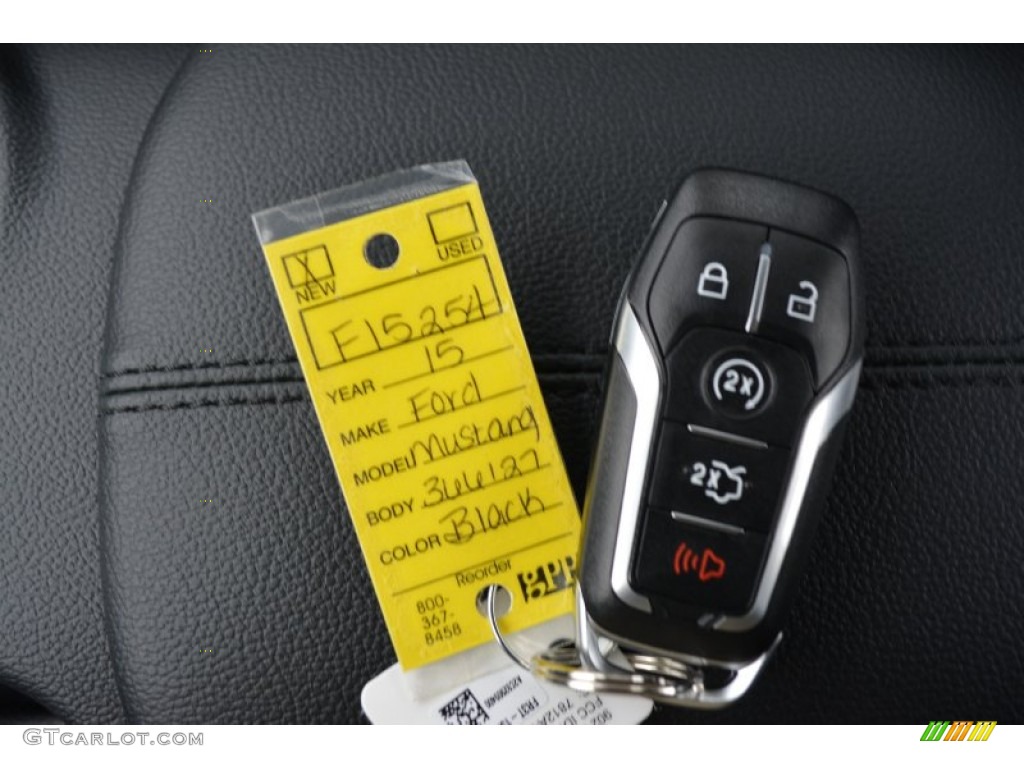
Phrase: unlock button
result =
(807, 302)
(804, 305)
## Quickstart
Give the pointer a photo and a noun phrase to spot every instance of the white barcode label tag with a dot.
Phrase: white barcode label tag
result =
(510, 696)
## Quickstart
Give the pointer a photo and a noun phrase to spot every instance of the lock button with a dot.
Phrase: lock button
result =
(713, 282)
(807, 302)
(706, 277)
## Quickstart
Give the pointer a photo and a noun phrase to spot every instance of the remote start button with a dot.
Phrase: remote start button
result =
(738, 384)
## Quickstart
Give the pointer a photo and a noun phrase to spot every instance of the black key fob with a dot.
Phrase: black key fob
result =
(737, 350)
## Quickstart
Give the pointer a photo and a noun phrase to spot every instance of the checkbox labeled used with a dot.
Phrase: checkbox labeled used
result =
(452, 223)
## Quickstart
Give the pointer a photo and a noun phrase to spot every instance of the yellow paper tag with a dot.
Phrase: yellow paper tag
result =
(428, 401)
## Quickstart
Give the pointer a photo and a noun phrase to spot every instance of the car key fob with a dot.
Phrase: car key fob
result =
(737, 350)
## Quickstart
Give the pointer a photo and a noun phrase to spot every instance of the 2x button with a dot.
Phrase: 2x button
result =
(732, 484)
(738, 384)
(734, 382)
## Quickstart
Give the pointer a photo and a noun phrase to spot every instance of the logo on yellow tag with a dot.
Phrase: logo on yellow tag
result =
(427, 398)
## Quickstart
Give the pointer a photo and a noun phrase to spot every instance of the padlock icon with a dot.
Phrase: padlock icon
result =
(803, 306)
(714, 281)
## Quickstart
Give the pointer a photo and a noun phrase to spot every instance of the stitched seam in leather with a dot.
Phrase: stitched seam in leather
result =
(551, 378)
(1004, 381)
(575, 383)
(891, 363)
(1000, 381)
(197, 367)
(186, 404)
(289, 361)
(201, 385)
(597, 357)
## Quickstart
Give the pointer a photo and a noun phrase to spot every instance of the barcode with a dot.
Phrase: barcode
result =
(464, 709)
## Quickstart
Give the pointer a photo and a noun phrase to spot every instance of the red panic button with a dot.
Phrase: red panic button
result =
(706, 566)
(696, 565)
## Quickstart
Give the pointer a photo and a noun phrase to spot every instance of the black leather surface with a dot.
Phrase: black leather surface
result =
(912, 604)
(71, 119)
(911, 607)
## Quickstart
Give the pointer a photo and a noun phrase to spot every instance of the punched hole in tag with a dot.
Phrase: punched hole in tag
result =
(381, 251)
(502, 601)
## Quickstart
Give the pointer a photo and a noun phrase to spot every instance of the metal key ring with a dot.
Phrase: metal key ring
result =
(659, 678)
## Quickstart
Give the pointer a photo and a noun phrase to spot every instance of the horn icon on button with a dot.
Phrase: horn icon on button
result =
(711, 566)
(706, 566)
